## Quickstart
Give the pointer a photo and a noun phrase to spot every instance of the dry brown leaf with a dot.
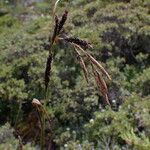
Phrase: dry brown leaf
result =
(82, 64)
(101, 84)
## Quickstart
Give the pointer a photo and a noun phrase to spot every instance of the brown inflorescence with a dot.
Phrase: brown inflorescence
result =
(48, 70)
(80, 46)
(58, 27)
(78, 41)
(55, 29)
(62, 21)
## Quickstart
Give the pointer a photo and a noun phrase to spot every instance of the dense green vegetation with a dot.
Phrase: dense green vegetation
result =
(119, 31)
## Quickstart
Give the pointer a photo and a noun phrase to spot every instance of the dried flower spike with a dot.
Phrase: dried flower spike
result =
(62, 21)
(48, 70)
(78, 41)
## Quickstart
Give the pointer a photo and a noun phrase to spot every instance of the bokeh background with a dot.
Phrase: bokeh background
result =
(119, 31)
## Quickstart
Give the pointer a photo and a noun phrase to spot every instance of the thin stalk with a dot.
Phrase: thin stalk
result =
(42, 131)
(42, 122)
(18, 114)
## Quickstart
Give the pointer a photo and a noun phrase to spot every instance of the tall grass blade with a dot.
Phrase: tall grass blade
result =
(55, 6)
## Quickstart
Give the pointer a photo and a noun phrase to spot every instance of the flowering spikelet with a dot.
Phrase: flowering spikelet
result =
(55, 29)
(78, 41)
(62, 21)
(48, 70)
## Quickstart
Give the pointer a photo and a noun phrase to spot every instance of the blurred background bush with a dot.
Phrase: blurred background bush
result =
(119, 31)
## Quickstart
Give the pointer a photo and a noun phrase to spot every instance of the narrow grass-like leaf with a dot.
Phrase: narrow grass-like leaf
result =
(99, 66)
(94, 61)
(100, 84)
(55, 6)
(82, 64)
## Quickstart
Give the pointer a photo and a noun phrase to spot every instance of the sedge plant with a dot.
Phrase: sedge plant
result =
(89, 65)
